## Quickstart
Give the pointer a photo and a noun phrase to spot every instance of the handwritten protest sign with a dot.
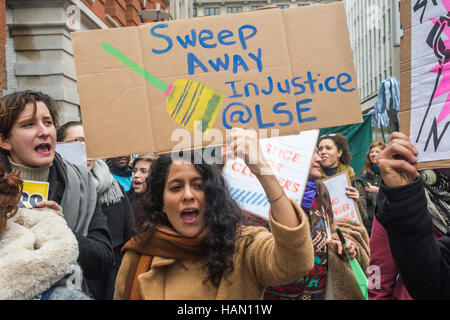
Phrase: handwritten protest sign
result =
(74, 152)
(343, 206)
(289, 158)
(33, 192)
(425, 78)
(290, 70)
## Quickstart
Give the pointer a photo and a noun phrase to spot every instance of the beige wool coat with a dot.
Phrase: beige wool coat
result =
(274, 258)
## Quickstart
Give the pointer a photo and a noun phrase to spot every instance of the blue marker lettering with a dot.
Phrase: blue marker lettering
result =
(233, 87)
(238, 113)
(300, 110)
(276, 109)
(188, 41)
(220, 64)
(340, 84)
(193, 62)
(202, 39)
(262, 125)
(157, 35)
(327, 84)
(223, 35)
(257, 59)
(243, 38)
(298, 85)
(255, 89)
(238, 61)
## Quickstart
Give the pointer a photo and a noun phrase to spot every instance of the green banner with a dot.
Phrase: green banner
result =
(359, 138)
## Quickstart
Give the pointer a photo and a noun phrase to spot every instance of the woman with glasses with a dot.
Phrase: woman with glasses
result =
(114, 204)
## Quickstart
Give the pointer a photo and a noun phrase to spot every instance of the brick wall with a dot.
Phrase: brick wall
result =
(3, 81)
(123, 12)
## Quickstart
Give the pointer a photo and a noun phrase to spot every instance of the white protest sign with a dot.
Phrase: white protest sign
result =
(343, 206)
(290, 159)
(425, 78)
(74, 152)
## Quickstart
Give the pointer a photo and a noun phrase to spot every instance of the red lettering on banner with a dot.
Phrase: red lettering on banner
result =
(284, 154)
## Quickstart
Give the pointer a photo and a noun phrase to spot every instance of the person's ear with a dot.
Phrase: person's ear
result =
(339, 154)
(5, 144)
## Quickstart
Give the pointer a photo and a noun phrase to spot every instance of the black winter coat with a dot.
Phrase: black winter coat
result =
(423, 262)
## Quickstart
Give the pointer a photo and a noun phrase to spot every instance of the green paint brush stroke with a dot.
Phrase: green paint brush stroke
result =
(134, 66)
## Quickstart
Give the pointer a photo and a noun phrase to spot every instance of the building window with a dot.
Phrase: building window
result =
(257, 6)
(303, 4)
(212, 11)
(234, 9)
(194, 12)
(283, 6)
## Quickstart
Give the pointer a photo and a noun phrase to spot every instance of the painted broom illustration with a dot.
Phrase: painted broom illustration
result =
(189, 102)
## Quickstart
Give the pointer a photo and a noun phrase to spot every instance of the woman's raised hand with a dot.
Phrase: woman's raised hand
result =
(244, 143)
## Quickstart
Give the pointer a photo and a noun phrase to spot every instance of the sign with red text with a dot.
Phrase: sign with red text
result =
(33, 192)
(290, 160)
(343, 206)
(290, 70)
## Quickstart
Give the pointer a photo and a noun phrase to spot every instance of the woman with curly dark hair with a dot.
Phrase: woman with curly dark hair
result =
(189, 242)
(335, 158)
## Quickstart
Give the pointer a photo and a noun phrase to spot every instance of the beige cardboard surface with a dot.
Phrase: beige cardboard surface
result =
(405, 80)
(288, 69)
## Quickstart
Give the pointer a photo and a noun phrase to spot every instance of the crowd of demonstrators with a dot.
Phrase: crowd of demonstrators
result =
(335, 159)
(38, 251)
(121, 171)
(141, 170)
(189, 243)
(412, 207)
(331, 277)
(164, 227)
(368, 184)
(114, 204)
(28, 122)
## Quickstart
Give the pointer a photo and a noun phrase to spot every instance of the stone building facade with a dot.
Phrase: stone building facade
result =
(35, 37)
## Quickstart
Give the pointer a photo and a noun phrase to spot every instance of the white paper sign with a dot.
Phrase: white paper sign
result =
(290, 159)
(430, 79)
(343, 206)
(74, 152)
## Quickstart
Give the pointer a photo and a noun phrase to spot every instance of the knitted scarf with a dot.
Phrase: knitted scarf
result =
(162, 242)
(309, 194)
(108, 189)
(437, 190)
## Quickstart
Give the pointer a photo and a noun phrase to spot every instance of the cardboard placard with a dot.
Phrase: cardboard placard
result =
(290, 160)
(343, 206)
(74, 152)
(290, 70)
(33, 192)
(425, 80)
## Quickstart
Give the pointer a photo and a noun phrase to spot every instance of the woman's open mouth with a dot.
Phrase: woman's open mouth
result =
(189, 215)
(44, 149)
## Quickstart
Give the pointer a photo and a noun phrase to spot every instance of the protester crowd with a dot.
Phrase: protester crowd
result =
(165, 227)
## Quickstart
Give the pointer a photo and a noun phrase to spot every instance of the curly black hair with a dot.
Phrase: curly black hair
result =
(341, 144)
(223, 214)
